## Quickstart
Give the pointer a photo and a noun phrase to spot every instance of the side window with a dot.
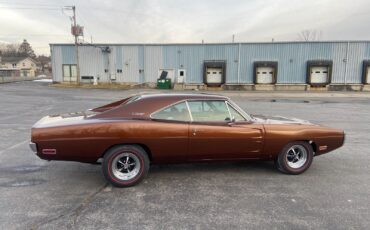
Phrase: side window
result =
(235, 114)
(178, 112)
(209, 110)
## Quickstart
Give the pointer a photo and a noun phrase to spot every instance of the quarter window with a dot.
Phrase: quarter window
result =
(209, 111)
(178, 112)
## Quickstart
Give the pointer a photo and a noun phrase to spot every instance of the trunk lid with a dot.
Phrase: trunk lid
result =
(60, 119)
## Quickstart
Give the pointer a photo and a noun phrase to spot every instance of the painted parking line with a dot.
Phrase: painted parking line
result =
(14, 146)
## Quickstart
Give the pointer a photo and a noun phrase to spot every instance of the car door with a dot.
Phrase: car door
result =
(168, 140)
(214, 134)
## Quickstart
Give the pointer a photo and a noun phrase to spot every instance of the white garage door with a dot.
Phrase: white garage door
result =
(214, 75)
(368, 75)
(265, 75)
(319, 74)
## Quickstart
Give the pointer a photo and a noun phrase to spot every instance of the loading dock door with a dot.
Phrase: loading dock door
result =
(214, 75)
(319, 74)
(368, 75)
(265, 75)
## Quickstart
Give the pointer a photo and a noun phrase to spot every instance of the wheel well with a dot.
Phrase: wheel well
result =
(313, 145)
(147, 150)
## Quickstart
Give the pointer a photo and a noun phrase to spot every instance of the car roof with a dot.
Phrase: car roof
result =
(143, 105)
(183, 96)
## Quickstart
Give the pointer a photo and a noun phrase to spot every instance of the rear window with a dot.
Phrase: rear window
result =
(132, 99)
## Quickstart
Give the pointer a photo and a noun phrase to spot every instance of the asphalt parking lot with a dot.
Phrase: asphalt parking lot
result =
(333, 194)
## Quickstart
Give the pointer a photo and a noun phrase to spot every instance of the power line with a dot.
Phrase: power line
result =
(26, 3)
(32, 35)
(30, 8)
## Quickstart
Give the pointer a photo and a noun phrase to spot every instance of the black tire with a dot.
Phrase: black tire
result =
(278, 167)
(116, 157)
(285, 161)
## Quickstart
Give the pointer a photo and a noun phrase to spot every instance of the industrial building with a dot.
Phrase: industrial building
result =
(333, 65)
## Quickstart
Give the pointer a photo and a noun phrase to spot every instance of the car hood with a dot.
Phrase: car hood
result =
(278, 120)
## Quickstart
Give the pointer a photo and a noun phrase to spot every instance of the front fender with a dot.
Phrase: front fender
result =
(278, 135)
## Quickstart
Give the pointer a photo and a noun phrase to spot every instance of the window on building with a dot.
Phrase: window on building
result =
(119, 70)
(69, 72)
(23, 64)
(14, 65)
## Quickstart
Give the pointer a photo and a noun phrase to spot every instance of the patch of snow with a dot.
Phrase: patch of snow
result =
(44, 80)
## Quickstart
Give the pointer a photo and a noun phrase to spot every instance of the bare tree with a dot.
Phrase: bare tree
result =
(43, 61)
(8, 50)
(310, 35)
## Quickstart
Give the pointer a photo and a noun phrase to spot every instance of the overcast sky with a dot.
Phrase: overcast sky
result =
(176, 21)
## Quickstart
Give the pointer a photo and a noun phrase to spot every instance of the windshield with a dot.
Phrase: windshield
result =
(240, 110)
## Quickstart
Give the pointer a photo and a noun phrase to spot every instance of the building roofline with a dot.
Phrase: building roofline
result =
(221, 43)
(9, 69)
(21, 58)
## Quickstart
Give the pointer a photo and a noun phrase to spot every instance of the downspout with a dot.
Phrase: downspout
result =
(144, 71)
(239, 63)
(345, 66)
(108, 68)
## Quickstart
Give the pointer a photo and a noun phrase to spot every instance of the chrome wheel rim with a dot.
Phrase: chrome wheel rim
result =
(296, 156)
(126, 166)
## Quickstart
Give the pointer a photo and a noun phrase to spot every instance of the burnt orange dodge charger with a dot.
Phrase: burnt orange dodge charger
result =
(132, 133)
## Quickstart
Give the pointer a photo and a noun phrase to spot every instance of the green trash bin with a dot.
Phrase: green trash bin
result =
(164, 83)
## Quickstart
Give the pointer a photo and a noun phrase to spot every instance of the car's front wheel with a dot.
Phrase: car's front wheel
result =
(295, 158)
(125, 165)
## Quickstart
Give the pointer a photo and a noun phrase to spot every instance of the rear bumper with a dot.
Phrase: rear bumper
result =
(328, 144)
(33, 147)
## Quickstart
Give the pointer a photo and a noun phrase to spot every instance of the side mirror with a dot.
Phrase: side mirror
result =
(229, 121)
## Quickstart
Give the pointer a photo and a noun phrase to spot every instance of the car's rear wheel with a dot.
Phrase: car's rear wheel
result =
(125, 165)
(295, 158)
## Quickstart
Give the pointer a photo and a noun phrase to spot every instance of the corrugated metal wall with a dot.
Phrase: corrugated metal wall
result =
(141, 63)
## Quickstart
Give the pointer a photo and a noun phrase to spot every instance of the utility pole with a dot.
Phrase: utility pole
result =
(76, 31)
(76, 44)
